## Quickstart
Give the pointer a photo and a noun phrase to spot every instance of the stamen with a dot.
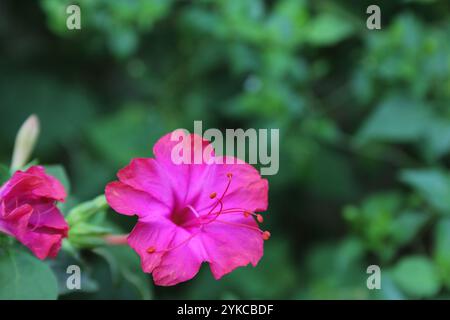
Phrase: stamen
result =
(246, 213)
(153, 250)
(193, 210)
(206, 219)
(259, 218)
(240, 225)
(266, 235)
(229, 175)
(217, 214)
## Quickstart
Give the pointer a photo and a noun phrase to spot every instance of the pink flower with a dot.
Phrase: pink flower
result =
(191, 213)
(28, 211)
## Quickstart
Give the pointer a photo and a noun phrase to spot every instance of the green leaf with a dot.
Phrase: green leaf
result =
(348, 279)
(406, 226)
(59, 267)
(432, 184)
(24, 277)
(4, 174)
(126, 135)
(395, 120)
(421, 1)
(126, 269)
(437, 138)
(416, 276)
(441, 250)
(250, 282)
(329, 165)
(64, 108)
(328, 29)
(389, 290)
(123, 42)
(374, 221)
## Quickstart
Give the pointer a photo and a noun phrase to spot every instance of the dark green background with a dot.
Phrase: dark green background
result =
(364, 121)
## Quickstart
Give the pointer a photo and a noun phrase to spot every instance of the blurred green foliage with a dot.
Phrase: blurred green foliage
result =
(364, 120)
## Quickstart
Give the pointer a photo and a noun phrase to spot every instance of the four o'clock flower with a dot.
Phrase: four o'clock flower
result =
(191, 213)
(28, 211)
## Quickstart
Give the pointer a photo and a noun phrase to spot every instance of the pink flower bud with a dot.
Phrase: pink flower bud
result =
(29, 213)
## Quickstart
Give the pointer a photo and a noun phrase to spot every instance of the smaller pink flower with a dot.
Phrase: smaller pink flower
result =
(29, 213)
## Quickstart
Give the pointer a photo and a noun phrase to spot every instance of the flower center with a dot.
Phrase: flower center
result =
(188, 217)
(184, 217)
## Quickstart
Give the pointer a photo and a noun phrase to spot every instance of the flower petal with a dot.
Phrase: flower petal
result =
(184, 177)
(42, 232)
(15, 222)
(129, 201)
(47, 215)
(230, 245)
(144, 174)
(247, 190)
(167, 251)
(180, 264)
(156, 234)
(51, 188)
(43, 244)
(34, 182)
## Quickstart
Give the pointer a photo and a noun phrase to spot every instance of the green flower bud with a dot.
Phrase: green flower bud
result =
(25, 141)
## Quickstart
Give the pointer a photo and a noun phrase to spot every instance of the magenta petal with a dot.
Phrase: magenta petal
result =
(184, 178)
(247, 189)
(15, 223)
(231, 246)
(166, 146)
(180, 264)
(45, 230)
(34, 182)
(51, 187)
(47, 215)
(167, 251)
(44, 244)
(127, 200)
(155, 234)
(146, 175)
(42, 232)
